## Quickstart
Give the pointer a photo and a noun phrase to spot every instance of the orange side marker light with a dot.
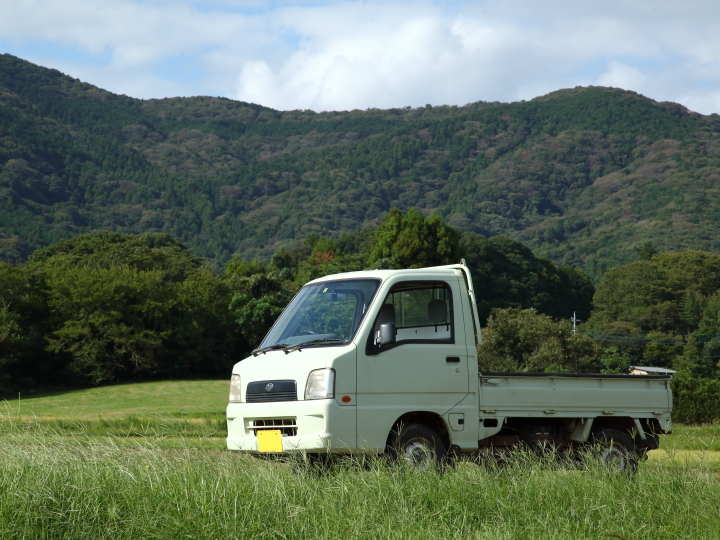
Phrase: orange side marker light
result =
(345, 399)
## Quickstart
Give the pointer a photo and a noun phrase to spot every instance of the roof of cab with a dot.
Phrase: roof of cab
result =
(385, 274)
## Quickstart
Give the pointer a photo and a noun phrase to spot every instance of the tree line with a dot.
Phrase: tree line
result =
(103, 308)
(106, 308)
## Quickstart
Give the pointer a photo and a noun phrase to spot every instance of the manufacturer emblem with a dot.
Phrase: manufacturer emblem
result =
(269, 386)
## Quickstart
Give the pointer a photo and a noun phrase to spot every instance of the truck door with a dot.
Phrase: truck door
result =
(426, 369)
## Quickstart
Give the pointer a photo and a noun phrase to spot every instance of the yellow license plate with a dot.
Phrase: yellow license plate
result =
(269, 440)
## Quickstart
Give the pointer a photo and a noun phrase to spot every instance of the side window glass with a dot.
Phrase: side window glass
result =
(421, 311)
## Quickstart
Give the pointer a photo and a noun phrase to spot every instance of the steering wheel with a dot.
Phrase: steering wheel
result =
(306, 333)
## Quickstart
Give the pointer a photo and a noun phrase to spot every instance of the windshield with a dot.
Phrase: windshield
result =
(328, 312)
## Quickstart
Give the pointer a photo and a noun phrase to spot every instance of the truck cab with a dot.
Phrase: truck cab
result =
(355, 356)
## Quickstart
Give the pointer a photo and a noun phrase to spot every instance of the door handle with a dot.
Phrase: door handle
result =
(455, 359)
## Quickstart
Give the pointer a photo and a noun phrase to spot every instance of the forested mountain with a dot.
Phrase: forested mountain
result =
(582, 176)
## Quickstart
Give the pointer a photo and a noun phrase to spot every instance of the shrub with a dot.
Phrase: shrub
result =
(695, 400)
(524, 340)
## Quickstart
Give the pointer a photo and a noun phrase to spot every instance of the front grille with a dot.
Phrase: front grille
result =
(278, 396)
(287, 426)
(266, 391)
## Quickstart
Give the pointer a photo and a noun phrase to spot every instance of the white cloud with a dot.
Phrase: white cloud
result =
(359, 54)
(126, 45)
(344, 71)
(392, 55)
(621, 75)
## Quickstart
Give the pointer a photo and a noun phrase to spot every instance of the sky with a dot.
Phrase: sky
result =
(341, 55)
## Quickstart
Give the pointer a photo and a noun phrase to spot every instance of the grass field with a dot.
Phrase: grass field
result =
(170, 399)
(148, 461)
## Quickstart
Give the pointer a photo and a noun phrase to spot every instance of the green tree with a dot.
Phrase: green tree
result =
(205, 340)
(255, 316)
(694, 271)
(23, 323)
(637, 293)
(258, 298)
(662, 350)
(110, 319)
(324, 251)
(507, 274)
(412, 241)
(693, 362)
(526, 341)
(615, 361)
(660, 299)
(9, 335)
(692, 307)
(357, 242)
(134, 306)
(695, 400)
(647, 252)
(711, 313)
(283, 260)
(150, 251)
(237, 268)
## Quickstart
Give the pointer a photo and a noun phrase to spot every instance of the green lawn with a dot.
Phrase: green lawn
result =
(189, 399)
(167, 412)
(197, 409)
(704, 437)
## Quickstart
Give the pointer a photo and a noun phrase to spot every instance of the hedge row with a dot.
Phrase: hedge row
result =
(695, 400)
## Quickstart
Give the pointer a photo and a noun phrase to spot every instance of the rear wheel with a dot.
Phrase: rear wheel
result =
(616, 450)
(418, 446)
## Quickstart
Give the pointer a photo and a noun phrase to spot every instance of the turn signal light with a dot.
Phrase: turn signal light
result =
(345, 399)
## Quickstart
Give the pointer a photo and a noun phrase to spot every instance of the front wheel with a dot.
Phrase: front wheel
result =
(418, 446)
(616, 450)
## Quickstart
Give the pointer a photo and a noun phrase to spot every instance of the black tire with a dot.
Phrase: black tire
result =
(419, 447)
(616, 450)
(651, 442)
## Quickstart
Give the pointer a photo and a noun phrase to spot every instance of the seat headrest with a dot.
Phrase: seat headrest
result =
(437, 311)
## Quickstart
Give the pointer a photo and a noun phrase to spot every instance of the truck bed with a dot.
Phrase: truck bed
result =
(575, 395)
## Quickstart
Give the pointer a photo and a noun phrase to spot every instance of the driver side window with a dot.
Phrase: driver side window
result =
(421, 311)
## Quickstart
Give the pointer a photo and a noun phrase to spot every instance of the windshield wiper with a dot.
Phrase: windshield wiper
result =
(299, 346)
(270, 348)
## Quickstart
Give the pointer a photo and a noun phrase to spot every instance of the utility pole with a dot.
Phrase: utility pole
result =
(574, 321)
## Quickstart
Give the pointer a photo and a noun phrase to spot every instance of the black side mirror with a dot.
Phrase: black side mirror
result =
(387, 333)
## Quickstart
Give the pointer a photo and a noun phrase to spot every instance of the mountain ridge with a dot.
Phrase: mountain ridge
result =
(583, 176)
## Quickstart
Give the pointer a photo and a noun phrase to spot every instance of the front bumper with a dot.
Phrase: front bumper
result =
(320, 425)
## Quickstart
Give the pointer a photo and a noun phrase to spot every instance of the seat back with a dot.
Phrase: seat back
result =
(437, 312)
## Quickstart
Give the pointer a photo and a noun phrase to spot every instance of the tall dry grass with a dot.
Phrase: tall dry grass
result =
(59, 485)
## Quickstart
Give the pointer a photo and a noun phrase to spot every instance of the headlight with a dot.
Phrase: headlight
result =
(235, 388)
(320, 384)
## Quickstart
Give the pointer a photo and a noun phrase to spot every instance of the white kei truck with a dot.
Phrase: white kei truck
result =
(386, 361)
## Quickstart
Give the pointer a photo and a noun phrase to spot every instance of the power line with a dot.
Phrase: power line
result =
(657, 335)
(628, 337)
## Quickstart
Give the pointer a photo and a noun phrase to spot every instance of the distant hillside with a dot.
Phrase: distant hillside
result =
(583, 176)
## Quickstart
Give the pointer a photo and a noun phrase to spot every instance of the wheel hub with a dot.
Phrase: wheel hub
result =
(419, 453)
(614, 458)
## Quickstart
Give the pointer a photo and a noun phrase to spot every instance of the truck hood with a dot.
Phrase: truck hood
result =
(276, 365)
